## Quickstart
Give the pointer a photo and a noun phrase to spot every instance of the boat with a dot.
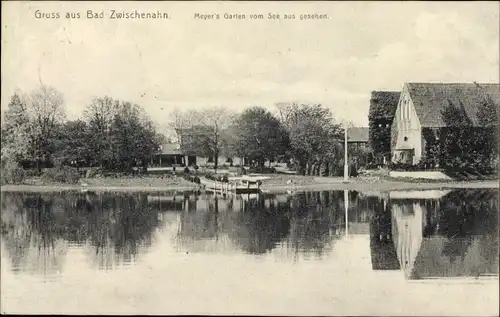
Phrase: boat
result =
(234, 185)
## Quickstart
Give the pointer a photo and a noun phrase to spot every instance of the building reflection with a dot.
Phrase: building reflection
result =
(442, 234)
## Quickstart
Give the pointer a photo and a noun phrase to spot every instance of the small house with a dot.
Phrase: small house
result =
(357, 138)
(357, 146)
(170, 155)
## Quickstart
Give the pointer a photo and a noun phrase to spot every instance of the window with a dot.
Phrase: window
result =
(404, 111)
(401, 110)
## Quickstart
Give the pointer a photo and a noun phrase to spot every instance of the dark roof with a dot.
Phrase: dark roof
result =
(383, 104)
(170, 149)
(359, 134)
(429, 99)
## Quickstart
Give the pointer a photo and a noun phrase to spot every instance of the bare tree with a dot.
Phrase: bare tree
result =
(180, 122)
(202, 132)
(216, 122)
(45, 111)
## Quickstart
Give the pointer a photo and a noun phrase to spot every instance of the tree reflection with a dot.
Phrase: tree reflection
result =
(305, 222)
(453, 234)
(466, 217)
(317, 220)
(383, 252)
(29, 232)
(114, 226)
(258, 229)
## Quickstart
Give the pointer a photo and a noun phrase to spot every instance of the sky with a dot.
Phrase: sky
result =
(186, 63)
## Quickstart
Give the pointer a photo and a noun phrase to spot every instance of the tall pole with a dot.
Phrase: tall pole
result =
(346, 215)
(346, 165)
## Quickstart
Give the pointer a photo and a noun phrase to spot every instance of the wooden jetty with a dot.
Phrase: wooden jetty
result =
(235, 185)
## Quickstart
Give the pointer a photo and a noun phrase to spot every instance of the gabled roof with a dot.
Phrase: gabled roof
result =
(429, 99)
(358, 134)
(383, 104)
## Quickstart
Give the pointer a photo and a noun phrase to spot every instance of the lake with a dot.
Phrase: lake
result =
(308, 253)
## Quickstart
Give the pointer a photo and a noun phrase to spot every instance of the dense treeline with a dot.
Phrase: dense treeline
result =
(112, 134)
(304, 135)
(117, 135)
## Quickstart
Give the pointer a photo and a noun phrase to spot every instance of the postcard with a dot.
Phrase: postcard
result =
(296, 158)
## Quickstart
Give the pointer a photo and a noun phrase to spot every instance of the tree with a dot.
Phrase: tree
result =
(259, 136)
(46, 111)
(488, 119)
(16, 131)
(31, 125)
(204, 132)
(99, 115)
(468, 145)
(455, 138)
(123, 136)
(73, 144)
(134, 137)
(314, 135)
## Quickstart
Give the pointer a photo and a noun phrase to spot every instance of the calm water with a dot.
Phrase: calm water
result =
(397, 253)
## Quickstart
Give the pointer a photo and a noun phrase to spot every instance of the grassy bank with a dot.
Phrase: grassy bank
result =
(275, 183)
(108, 184)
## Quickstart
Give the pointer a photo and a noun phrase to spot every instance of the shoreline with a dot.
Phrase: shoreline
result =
(265, 188)
(382, 186)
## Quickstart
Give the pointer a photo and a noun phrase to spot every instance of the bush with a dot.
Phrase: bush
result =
(33, 172)
(92, 172)
(406, 167)
(217, 177)
(262, 170)
(12, 173)
(61, 174)
(192, 179)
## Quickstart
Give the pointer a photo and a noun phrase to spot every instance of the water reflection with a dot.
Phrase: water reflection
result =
(446, 234)
(426, 234)
(37, 228)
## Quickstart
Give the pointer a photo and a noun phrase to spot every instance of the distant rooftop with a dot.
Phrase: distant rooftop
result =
(358, 134)
(170, 149)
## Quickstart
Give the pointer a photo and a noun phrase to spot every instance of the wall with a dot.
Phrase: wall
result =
(406, 124)
(424, 175)
(407, 225)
